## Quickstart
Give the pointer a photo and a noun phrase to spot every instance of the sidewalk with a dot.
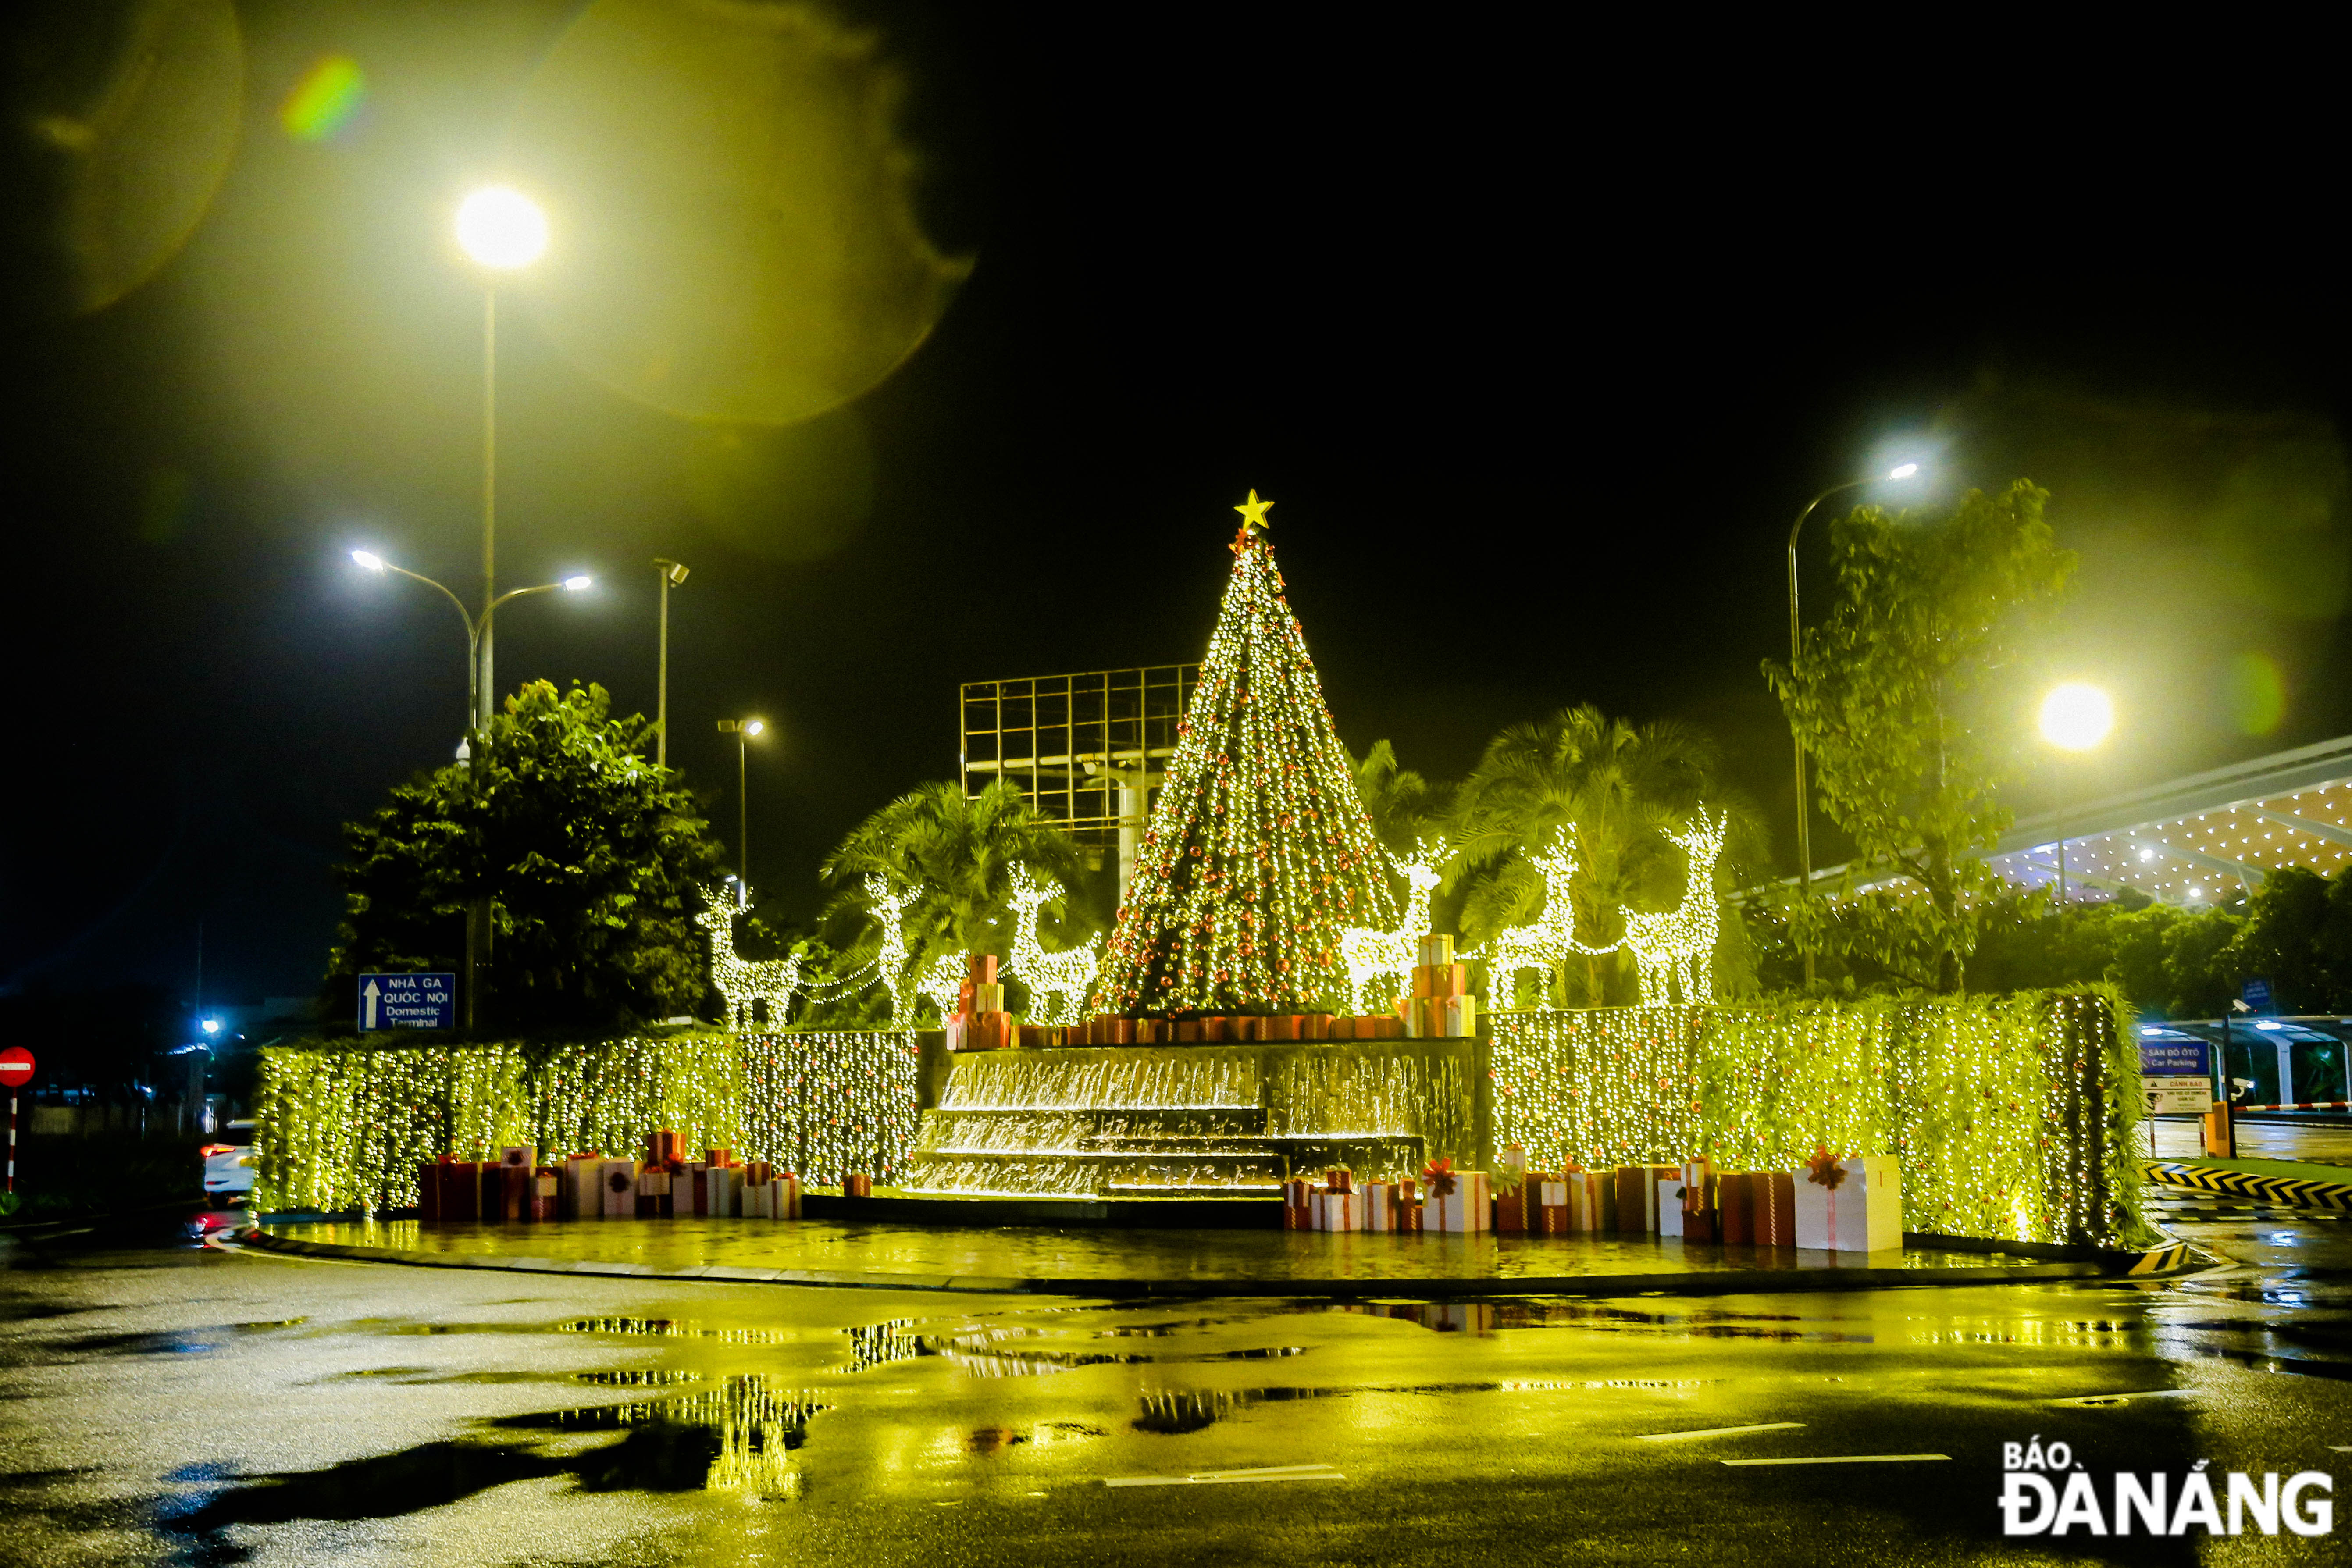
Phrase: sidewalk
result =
(1167, 1263)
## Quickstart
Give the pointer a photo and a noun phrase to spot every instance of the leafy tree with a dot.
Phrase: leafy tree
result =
(1406, 809)
(590, 857)
(1622, 786)
(1903, 700)
(956, 855)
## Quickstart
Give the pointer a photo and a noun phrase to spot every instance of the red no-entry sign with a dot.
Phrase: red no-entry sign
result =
(15, 1067)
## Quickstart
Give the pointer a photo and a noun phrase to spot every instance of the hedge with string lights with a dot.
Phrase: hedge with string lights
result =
(2012, 1115)
(344, 1127)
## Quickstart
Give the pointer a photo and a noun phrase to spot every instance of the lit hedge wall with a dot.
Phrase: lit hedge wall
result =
(344, 1126)
(2012, 1115)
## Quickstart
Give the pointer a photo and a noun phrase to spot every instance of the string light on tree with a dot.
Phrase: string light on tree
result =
(1259, 853)
(1675, 949)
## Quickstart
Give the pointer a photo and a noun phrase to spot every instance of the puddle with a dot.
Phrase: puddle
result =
(1172, 1413)
(1000, 1352)
(674, 1329)
(738, 1436)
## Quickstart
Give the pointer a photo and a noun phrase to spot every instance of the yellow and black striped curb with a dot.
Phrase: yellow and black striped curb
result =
(2291, 1191)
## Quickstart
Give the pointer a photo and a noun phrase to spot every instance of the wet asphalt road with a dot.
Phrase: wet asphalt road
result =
(167, 1404)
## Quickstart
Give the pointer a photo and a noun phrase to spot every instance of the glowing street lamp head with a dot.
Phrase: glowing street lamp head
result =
(211, 1026)
(754, 726)
(576, 583)
(2076, 716)
(1903, 470)
(501, 229)
(369, 558)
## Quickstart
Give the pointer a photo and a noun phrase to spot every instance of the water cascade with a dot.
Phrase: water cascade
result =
(1152, 1122)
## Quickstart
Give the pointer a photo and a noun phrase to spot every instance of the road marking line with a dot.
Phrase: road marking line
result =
(1839, 1459)
(1715, 1432)
(1232, 1478)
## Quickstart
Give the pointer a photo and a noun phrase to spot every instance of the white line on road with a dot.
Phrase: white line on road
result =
(1715, 1432)
(1232, 1478)
(1841, 1459)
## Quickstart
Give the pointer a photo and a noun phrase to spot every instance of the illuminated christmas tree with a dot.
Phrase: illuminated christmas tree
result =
(1259, 853)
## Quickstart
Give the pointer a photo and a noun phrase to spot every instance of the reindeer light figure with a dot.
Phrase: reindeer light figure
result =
(1058, 982)
(940, 982)
(1544, 942)
(1676, 948)
(748, 984)
(1369, 953)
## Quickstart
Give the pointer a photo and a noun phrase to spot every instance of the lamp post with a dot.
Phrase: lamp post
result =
(742, 730)
(1804, 803)
(478, 716)
(2076, 717)
(672, 575)
(503, 230)
(477, 629)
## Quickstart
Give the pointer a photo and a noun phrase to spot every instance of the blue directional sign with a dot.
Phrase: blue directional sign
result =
(2257, 993)
(408, 1001)
(2172, 1058)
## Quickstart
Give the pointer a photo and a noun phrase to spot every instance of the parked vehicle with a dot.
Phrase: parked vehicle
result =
(229, 1164)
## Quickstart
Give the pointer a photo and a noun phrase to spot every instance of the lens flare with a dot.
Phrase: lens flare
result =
(323, 102)
(2257, 693)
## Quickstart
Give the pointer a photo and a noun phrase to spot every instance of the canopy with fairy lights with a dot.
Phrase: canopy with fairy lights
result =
(1259, 853)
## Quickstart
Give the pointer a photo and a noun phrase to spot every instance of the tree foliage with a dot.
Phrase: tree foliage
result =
(1622, 786)
(1407, 810)
(957, 855)
(1905, 698)
(590, 856)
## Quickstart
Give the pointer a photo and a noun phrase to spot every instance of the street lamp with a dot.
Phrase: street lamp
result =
(742, 730)
(1901, 471)
(477, 631)
(503, 230)
(2076, 717)
(672, 575)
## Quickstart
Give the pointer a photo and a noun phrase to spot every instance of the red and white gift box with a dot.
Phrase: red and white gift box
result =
(616, 1188)
(1549, 1216)
(1381, 1205)
(1469, 1208)
(1862, 1213)
(722, 1185)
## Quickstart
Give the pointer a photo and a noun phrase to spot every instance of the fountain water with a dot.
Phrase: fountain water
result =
(1190, 1121)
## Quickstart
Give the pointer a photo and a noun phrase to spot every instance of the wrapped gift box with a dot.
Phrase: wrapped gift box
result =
(1297, 1194)
(760, 1200)
(1436, 950)
(718, 1156)
(512, 1187)
(1455, 1017)
(1636, 1200)
(1734, 1207)
(520, 1154)
(1467, 1209)
(617, 1183)
(1775, 1194)
(1408, 1205)
(461, 1189)
(720, 1184)
(690, 1190)
(545, 1197)
(860, 1185)
(1591, 1201)
(1863, 1213)
(1699, 1200)
(653, 1194)
(1550, 1214)
(428, 1190)
(787, 1200)
(575, 1188)
(1666, 1189)
(1380, 1205)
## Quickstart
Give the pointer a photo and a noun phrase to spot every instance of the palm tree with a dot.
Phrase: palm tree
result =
(1406, 809)
(957, 854)
(1620, 786)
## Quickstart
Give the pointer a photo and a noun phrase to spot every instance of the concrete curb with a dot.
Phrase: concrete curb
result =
(2292, 1192)
(1724, 1282)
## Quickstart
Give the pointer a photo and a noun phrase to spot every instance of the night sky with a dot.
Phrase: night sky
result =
(1537, 361)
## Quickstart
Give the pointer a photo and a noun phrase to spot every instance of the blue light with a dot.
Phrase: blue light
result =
(211, 1026)
(2266, 1024)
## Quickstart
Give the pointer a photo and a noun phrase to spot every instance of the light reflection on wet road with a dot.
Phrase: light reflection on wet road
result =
(169, 1406)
